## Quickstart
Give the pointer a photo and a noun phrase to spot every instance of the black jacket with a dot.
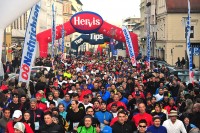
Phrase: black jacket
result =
(119, 128)
(12, 106)
(37, 116)
(52, 128)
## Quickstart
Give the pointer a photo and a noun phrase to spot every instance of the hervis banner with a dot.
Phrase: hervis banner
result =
(30, 46)
(129, 45)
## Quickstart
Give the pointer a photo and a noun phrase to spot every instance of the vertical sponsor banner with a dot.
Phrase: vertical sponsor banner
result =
(189, 50)
(63, 39)
(30, 45)
(129, 45)
(111, 45)
(53, 31)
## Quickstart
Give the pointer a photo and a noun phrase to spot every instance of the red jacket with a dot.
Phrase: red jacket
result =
(83, 93)
(136, 118)
(113, 121)
(41, 106)
(141, 94)
(168, 108)
(10, 128)
(118, 105)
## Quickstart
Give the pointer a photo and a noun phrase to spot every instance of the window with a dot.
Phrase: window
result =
(17, 27)
(24, 21)
(20, 23)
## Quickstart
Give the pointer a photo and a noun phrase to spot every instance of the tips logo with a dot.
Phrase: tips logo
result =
(86, 22)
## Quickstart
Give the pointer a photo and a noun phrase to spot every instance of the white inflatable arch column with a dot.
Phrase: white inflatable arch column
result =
(10, 10)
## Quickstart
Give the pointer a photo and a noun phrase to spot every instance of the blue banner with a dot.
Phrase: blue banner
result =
(63, 39)
(53, 31)
(30, 46)
(189, 49)
(129, 45)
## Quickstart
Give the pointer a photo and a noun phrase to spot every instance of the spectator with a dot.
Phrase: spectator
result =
(49, 125)
(104, 93)
(17, 117)
(187, 124)
(40, 105)
(142, 126)
(156, 127)
(27, 120)
(173, 125)
(95, 121)
(75, 115)
(14, 105)
(142, 115)
(158, 112)
(88, 127)
(66, 101)
(19, 127)
(116, 100)
(62, 111)
(5, 119)
(56, 95)
(25, 105)
(121, 125)
(49, 99)
(86, 102)
(37, 115)
(103, 116)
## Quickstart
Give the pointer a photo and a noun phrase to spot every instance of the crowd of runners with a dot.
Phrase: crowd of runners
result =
(97, 94)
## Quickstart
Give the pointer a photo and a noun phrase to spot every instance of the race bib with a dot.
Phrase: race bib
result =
(102, 126)
(75, 124)
(37, 125)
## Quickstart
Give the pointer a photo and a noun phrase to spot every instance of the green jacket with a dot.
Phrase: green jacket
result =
(83, 129)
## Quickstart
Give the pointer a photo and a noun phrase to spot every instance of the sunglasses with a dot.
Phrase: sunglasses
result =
(142, 126)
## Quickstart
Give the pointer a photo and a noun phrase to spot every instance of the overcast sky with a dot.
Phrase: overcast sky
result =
(113, 11)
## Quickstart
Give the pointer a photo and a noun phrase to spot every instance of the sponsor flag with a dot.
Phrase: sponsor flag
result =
(53, 31)
(30, 46)
(148, 43)
(189, 50)
(129, 45)
(63, 39)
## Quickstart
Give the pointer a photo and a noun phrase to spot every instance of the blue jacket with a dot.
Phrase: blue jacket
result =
(90, 86)
(106, 96)
(66, 104)
(101, 116)
(106, 129)
(153, 129)
(124, 100)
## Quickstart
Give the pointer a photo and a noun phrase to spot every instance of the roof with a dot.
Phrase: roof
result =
(79, 2)
(181, 6)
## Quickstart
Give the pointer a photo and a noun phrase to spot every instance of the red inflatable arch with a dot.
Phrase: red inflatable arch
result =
(84, 22)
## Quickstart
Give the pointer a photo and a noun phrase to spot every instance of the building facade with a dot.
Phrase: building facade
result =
(168, 19)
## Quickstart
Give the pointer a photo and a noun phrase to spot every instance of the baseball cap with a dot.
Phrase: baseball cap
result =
(20, 126)
(17, 114)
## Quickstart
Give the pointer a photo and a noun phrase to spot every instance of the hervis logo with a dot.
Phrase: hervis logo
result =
(86, 22)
